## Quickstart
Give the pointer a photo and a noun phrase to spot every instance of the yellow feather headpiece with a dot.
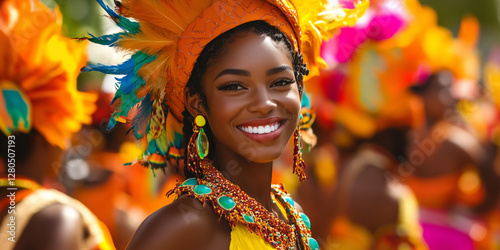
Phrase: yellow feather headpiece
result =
(38, 72)
(166, 37)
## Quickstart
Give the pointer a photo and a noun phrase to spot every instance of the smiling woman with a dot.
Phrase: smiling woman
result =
(217, 88)
(249, 87)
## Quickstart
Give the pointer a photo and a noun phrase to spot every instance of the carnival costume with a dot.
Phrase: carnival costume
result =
(422, 49)
(434, 49)
(356, 97)
(38, 73)
(165, 39)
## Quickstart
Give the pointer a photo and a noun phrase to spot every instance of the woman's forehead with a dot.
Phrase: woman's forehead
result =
(253, 47)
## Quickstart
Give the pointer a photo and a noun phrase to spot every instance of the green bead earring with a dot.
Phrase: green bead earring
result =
(202, 140)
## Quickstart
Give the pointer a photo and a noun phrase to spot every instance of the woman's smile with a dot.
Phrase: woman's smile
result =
(263, 130)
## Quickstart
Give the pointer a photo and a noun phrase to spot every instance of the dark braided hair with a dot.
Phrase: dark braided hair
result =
(213, 51)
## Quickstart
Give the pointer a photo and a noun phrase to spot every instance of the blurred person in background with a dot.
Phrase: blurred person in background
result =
(448, 160)
(355, 199)
(484, 116)
(97, 174)
(94, 173)
(448, 167)
(40, 109)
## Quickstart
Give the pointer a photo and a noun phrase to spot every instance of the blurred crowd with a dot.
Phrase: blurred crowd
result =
(403, 152)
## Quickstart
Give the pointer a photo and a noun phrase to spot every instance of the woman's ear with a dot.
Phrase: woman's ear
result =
(194, 104)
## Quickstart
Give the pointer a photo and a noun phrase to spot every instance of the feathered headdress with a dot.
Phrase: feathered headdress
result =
(38, 71)
(395, 45)
(165, 39)
(350, 92)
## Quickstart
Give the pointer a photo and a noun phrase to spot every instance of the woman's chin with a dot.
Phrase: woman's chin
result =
(265, 157)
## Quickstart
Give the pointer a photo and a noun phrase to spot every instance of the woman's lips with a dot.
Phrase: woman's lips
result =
(263, 130)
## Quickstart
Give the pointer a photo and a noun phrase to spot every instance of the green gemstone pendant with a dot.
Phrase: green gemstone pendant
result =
(202, 189)
(300, 142)
(202, 144)
(313, 244)
(248, 218)
(306, 220)
(190, 182)
(226, 202)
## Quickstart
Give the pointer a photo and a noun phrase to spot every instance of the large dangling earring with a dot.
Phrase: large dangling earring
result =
(298, 163)
(198, 145)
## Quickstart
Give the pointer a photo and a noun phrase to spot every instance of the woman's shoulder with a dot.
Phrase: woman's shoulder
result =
(56, 226)
(184, 224)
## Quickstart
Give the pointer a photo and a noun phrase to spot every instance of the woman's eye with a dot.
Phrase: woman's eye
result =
(231, 87)
(282, 82)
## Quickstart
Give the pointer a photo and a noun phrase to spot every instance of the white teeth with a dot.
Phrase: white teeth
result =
(261, 129)
(267, 129)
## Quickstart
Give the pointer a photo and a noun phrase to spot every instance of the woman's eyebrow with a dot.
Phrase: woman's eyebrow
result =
(278, 69)
(238, 72)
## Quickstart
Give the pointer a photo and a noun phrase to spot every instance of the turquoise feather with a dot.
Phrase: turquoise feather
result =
(18, 109)
(122, 22)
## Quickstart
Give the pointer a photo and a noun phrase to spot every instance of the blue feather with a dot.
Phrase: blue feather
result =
(112, 122)
(140, 58)
(122, 22)
(178, 139)
(109, 40)
(18, 108)
(152, 146)
(305, 101)
(120, 69)
(143, 114)
(129, 83)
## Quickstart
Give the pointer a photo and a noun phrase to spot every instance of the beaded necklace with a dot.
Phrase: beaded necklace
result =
(237, 207)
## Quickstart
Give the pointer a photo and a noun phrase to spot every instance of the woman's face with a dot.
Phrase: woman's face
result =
(253, 99)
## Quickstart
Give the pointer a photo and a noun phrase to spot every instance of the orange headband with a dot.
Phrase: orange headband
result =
(215, 20)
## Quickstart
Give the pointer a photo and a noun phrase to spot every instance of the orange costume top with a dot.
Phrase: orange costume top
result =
(459, 187)
(438, 196)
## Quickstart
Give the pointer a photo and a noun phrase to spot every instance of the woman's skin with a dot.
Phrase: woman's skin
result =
(453, 155)
(251, 84)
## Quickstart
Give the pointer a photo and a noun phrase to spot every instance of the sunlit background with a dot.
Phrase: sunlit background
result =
(84, 16)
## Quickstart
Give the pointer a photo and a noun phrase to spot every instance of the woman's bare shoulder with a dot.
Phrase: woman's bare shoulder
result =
(183, 224)
(57, 226)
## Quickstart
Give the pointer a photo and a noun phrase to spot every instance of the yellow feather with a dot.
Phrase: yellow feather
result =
(172, 15)
(319, 20)
(152, 40)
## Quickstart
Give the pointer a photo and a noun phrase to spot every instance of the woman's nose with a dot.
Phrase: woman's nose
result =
(262, 101)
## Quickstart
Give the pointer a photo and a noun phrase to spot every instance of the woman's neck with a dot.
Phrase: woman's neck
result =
(253, 178)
